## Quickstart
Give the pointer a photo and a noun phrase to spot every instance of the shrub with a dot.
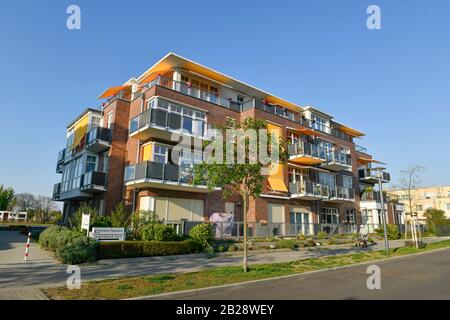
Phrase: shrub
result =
(411, 244)
(80, 250)
(233, 248)
(55, 237)
(157, 232)
(120, 217)
(203, 234)
(392, 232)
(321, 235)
(286, 243)
(139, 220)
(132, 249)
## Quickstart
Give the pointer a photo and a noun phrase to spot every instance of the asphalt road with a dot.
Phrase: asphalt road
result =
(425, 276)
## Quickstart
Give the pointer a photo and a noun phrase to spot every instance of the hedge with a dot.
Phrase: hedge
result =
(80, 250)
(133, 249)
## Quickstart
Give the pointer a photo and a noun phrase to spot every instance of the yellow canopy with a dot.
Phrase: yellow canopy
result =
(276, 180)
(111, 91)
(80, 131)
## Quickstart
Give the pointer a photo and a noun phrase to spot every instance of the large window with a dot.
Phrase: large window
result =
(329, 216)
(160, 154)
(350, 216)
(347, 182)
(175, 116)
(72, 175)
(320, 123)
(90, 163)
(327, 179)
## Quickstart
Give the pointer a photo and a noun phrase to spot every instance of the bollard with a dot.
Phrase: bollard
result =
(27, 247)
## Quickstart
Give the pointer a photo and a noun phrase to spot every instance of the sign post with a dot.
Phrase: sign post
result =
(85, 220)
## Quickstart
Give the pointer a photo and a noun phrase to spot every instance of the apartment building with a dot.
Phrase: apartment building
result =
(123, 151)
(424, 198)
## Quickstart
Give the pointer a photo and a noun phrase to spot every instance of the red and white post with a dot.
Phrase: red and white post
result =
(27, 247)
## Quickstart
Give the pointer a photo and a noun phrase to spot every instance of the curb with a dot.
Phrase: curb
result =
(231, 286)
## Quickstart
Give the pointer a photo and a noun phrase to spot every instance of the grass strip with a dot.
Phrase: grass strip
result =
(129, 287)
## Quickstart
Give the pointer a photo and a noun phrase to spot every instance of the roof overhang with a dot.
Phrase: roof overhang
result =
(174, 61)
(348, 130)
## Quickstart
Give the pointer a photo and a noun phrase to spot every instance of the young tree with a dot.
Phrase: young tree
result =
(409, 180)
(434, 217)
(44, 208)
(6, 197)
(243, 175)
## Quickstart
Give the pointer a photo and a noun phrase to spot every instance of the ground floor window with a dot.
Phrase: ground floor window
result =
(329, 216)
(350, 216)
(366, 215)
(173, 209)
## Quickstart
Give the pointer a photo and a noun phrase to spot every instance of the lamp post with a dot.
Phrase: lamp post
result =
(383, 212)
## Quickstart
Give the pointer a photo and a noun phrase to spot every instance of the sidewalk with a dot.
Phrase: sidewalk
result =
(48, 272)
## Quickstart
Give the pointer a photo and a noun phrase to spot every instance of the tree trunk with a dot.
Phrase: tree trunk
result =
(244, 208)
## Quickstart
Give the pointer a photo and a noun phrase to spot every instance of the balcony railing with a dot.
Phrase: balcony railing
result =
(93, 181)
(159, 171)
(98, 134)
(60, 161)
(338, 158)
(309, 188)
(342, 193)
(373, 196)
(160, 118)
(56, 191)
(196, 92)
(360, 149)
(371, 175)
(307, 149)
(276, 110)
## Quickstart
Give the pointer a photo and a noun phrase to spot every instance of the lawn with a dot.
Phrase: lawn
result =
(148, 285)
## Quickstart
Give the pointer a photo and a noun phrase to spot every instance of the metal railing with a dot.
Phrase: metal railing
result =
(196, 92)
(98, 133)
(257, 230)
(159, 171)
(93, 179)
(342, 193)
(338, 158)
(365, 173)
(373, 196)
(309, 188)
(162, 118)
(307, 149)
(360, 149)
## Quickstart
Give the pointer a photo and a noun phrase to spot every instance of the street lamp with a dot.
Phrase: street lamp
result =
(383, 212)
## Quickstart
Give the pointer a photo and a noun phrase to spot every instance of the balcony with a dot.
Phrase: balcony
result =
(306, 153)
(341, 195)
(275, 110)
(196, 92)
(60, 161)
(98, 139)
(150, 174)
(93, 182)
(337, 161)
(308, 190)
(371, 176)
(56, 192)
(373, 196)
(159, 123)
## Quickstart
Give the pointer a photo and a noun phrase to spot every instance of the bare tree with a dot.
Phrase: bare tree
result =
(408, 182)
(25, 202)
(44, 208)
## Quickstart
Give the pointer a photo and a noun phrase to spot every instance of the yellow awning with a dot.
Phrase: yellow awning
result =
(367, 160)
(111, 91)
(277, 184)
(80, 131)
(153, 76)
(276, 180)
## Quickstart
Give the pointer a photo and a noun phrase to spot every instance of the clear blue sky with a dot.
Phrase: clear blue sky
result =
(392, 83)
